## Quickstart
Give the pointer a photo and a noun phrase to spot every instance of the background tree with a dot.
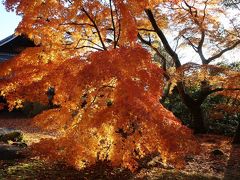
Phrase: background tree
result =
(196, 24)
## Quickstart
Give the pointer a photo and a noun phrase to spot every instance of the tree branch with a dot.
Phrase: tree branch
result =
(158, 53)
(96, 27)
(200, 48)
(163, 38)
(223, 51)
(92, 47)
(119, 27)
(190, 43)
(76, 24)
(188, 100)
(204, 94)
(145, 29)
(81, 39)
(113, 25)
(204, 11)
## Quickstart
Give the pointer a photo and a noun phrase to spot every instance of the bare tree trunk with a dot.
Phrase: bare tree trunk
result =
(198, 125)
(195, 109)
(236, 139)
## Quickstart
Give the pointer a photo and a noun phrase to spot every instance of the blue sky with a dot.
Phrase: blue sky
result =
(8, 22)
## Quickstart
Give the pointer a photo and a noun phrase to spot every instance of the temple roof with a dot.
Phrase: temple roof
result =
(13, 45)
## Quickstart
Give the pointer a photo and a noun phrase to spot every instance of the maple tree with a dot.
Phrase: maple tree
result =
(198, 25)
(109, 108)
(105, 85)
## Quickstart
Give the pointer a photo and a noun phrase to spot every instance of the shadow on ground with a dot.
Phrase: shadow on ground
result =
(35, 169)
(232, 171)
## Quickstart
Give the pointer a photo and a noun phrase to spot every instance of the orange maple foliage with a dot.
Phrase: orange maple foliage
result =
(88, 25)
(118, 116)
(109, 110)
(108, 100)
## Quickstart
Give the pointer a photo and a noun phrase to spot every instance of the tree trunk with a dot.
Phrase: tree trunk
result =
(198, 125)
(195, 109)
(236, 139)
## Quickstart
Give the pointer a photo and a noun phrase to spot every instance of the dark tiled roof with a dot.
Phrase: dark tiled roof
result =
(7, 39)
(6, 56)
(13, 45)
